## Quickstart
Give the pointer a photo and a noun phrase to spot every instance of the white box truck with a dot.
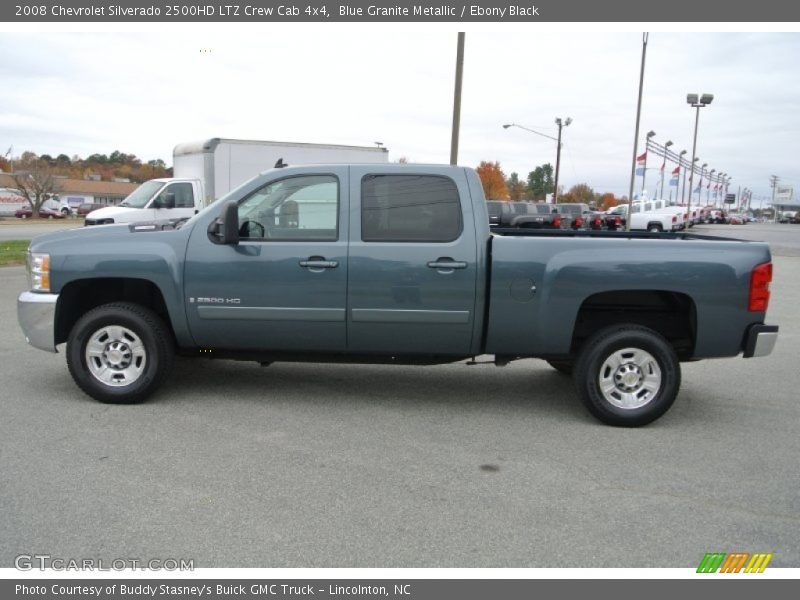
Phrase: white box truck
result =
(204, 171)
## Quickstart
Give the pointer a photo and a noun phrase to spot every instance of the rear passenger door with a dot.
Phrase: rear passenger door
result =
(413, 259)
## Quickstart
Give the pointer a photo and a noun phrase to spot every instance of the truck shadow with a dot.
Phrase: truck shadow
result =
(530, 386)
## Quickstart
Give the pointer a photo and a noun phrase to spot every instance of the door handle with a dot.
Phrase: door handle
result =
(447, 264)
(319, 264)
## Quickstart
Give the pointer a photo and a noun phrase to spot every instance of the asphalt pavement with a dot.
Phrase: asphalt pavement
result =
(302, 465)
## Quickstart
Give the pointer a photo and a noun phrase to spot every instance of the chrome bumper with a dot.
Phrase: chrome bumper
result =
(760, 340)
(37, 317)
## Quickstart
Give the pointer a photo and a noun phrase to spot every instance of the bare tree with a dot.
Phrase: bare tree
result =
(36, 183)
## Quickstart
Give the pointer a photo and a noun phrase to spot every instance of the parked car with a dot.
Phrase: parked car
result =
(44, 213)
(85, 209)
(645, 221)
(578, 213)
(735, 220)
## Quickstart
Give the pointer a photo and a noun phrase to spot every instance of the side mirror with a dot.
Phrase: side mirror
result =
(229, 227)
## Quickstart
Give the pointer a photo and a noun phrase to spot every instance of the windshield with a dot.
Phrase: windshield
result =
(141, 195)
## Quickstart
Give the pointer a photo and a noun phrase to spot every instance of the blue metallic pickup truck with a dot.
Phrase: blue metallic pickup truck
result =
(395, 264)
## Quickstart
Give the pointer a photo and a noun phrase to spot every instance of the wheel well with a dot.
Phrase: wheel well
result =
(671, 314)
(79, 297)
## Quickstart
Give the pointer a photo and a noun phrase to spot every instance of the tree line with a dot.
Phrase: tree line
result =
(535, 188)
(37, 177)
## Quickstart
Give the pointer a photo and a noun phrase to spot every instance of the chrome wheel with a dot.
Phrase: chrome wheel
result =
(629, 378)
(115, 356)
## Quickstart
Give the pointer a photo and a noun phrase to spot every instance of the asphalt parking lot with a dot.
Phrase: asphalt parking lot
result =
(300, 465)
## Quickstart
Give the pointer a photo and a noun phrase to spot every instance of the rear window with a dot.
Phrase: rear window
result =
(543, 209)
(409, 208)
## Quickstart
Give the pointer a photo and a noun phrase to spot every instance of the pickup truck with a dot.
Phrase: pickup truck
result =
(156, 199)
(379, 263)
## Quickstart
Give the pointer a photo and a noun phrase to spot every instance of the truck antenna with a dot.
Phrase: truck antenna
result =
(280, 164)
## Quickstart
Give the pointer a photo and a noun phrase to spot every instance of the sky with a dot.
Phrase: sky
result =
(143, 93)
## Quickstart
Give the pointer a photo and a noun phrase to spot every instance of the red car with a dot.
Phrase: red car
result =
(85, 209)
(44, 213)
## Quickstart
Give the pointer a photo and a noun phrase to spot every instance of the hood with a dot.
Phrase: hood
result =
(120, 214)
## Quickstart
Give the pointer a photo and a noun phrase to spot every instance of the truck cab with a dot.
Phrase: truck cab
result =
(156, 199)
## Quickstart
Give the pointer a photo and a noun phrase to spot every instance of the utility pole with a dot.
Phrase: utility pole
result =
(457, 99)
(645, 37)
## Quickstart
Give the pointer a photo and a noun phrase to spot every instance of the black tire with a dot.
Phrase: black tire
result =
(156, 341)
(655, 227)
(589, 370)
(562, 366)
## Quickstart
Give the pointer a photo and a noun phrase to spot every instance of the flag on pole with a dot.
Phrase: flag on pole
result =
(697, 189)
(642, 160)
(664, 163)
(676, 175)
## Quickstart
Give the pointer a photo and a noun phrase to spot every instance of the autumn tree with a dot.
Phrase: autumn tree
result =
(582, 193)
(540, 182)
(35, 180)
(607, 200)
(493, 180)
(516, 188)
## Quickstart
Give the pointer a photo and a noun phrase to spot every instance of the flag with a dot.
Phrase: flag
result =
(674, 181)
(664, 164)
(640, 172)
(708, 185)
(697, 189)
(642, 160)
(676, 172)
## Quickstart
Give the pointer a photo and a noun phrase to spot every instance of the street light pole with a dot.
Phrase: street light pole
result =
(683, 189)
(645, 38)
(650, 134)
(549, 137)
(708, 187)
(693, 101)
(560, 124)
(663, 168)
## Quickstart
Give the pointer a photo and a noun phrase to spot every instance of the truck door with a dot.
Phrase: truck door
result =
(413, 260)
(284, 286)
(174, 201)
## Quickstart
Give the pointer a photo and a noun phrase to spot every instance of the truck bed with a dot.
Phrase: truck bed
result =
(544, 284)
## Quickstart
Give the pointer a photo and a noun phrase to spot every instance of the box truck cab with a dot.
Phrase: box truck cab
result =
(209, 169)
(157, 199)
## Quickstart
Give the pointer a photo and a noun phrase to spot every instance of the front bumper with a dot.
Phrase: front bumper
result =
(760, 340)
(37, 317)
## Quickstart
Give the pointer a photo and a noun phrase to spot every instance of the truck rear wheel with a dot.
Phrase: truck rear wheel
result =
(627, 375)
(119, 353)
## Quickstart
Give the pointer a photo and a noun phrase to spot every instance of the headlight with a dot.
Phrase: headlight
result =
(39, 272)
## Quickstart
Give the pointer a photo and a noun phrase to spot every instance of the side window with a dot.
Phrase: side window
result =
(184, 198)
(409, 208)
(304, 208)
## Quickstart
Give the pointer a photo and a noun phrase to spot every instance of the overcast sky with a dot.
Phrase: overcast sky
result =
(143, 93)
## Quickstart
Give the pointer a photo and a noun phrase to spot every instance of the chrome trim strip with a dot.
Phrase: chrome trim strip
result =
(380, 315)
(265, 313)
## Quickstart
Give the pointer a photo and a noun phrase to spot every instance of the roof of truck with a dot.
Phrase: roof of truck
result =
(210, 144)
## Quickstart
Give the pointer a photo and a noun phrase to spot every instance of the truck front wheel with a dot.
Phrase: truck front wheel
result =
(119, 353)
(627, 375)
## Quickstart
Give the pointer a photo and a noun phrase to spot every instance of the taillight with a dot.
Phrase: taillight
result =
(597, 222)
(674, 218)
(760, 278)
(578, 222)
(617, 221)
(556, 221)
